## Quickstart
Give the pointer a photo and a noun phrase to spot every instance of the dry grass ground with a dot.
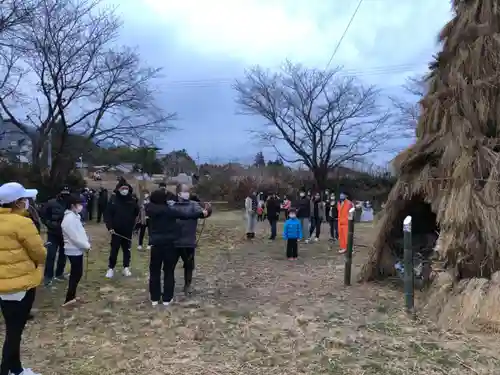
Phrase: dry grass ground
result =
(253, 312)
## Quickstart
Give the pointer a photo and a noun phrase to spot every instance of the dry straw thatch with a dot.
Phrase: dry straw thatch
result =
(454, 164)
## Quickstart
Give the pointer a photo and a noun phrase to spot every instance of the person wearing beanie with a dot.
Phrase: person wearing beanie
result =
(76, 242)
(120, 219)
(52, 215)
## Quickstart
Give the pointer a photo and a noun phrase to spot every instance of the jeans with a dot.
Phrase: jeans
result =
(334, 229)
(15, 315)
(55, 247)
(273, 223)
(117, 242)
(75, 275)
(304, 222)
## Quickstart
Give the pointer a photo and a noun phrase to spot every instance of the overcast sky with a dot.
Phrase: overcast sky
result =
(204, 46)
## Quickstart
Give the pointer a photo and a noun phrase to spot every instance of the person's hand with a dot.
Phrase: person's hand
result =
(208, 206)
(205, 213)
(111, 231)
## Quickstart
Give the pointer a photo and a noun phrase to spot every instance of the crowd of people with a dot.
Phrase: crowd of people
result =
(26, 260)
(304, 217)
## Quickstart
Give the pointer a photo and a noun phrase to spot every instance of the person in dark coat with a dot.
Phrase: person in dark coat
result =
(273, 208)
(91, 203)
(102, 203)
(187, 242)
(164, 238)
(333, 218)
(303, 207)
(120, 219)
(52, 216)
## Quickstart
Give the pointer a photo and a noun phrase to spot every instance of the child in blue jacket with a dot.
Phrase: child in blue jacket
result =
(292, 233)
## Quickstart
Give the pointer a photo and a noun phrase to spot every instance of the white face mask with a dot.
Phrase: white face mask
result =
(184, 195)
(124, 192)
(78, 208)
(302, 194)
(292, 216)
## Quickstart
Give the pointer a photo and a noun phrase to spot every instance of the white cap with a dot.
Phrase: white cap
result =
(12, 191)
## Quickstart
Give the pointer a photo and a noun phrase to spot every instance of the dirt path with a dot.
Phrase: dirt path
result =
(253, 312)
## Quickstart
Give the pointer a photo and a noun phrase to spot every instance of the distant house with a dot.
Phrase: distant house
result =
(15, 145)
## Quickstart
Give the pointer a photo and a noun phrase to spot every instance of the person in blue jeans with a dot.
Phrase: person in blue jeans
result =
(292, 233)
(52, 215)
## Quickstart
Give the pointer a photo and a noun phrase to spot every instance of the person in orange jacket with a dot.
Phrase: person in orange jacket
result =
(343, 207)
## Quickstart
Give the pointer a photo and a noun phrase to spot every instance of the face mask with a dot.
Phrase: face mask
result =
(292, 216)
(317, 197)
(24, 204)
(302, 195)
(78, 208)
(124, 192)
(146, 196)
(184, 195)
(342, 197)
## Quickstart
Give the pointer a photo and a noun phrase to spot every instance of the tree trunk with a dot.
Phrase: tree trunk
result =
(321, 178)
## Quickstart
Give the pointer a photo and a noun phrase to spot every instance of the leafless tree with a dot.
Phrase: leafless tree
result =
(324, 118)
(408, 108)
(67, 73)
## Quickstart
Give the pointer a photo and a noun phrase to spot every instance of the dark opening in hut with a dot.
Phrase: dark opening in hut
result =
(425, 230)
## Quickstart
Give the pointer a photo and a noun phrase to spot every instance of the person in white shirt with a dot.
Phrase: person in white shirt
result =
(76, 242)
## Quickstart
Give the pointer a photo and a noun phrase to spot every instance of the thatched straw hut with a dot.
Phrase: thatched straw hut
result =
(449, 179)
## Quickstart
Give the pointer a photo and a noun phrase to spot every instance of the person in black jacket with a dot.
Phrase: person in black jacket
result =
(303, 207)
(164, 234)
(273, 206)
(333, 218)
(120, 218)
(52, 216)
(102, 203)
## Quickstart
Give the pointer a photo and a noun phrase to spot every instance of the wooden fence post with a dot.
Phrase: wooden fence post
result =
(350, 243)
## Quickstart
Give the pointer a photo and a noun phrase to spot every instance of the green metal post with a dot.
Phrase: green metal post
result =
(409, 280)
(350, 243)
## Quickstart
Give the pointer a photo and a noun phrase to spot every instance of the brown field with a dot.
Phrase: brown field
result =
(253, 312)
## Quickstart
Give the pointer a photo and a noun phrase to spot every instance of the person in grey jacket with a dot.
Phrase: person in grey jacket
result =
(187, 241)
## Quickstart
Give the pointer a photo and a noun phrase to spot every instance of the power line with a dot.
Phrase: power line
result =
(344, 34)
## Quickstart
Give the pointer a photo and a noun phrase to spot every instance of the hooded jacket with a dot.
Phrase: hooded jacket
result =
(121, 212)
(163, 216)
(75, 237)
(53, 214)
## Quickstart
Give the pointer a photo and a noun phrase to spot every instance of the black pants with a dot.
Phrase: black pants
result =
(260, 217)
(90, 210)
(15, 314)
(292, 250)
(166, 257)
(55, 248)
(75, 275)
(118, 242)
(273, 224)
(334, 229)
(142, 232)
(315, 226)
(100, 213)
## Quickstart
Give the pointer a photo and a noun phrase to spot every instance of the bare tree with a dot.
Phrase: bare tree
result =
(76, 80)
(324, 118)
(408, 108)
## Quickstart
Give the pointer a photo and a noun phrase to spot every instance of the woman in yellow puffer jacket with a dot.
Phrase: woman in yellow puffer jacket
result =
(22, 256)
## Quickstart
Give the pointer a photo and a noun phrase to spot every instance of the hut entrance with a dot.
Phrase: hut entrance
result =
(425, 230)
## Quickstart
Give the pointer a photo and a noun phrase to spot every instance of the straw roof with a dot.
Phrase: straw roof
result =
(454, 164)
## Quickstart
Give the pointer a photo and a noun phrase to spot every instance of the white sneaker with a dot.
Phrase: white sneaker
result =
(110, 273)
(166, 303)
(139, 247)
(306, 241)
(316, 239)
(126, 272)
(28, 371)
(148, 248)
(154, 303)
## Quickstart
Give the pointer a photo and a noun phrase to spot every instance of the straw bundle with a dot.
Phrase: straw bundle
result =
(454, 164)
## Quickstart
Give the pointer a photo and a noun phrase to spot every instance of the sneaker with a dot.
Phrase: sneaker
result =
(110, 273)
(126, 272)
(148, 248)
(154, 303)
(342, 251)
(306, 241)
(28, 371)
(316, 239)
(167, 303)
(69, 303)
(60, 278)
(139, 248)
